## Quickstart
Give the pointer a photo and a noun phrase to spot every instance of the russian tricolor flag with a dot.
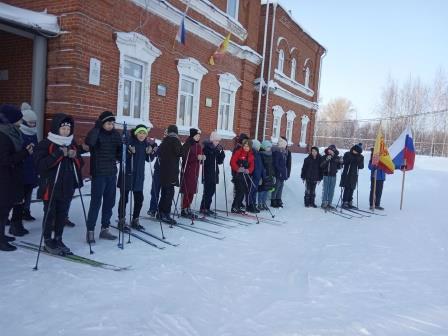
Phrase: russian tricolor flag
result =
(402, 150)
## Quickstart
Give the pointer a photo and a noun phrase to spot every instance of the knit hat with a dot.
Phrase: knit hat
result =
(194, 131)
(214, 136)
(266, 144)
(332, 147)
(172, 129)
(28, 114)
(357, 148)
(256, 144)
(140, 128)
(9, 114)
(282, 143)
(106, 116)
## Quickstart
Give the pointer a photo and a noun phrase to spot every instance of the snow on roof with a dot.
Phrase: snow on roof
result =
(293, 19)
(39, 21)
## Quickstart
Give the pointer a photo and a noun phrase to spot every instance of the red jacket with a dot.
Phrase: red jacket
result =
(242, 155)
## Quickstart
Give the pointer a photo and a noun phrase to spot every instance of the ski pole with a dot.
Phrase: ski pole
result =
(44, 222)
(253, 184)
(357, 194)
(82, 201)
(158, 209)
(250, 189)
(197, 181)
(225, 190)
(182, 174)
(214, 177)
(131, 199)
(123, 187)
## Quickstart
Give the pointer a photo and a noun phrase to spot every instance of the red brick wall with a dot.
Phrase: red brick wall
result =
(16, 56)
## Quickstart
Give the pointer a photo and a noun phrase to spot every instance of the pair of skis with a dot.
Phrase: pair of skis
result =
(71, 257)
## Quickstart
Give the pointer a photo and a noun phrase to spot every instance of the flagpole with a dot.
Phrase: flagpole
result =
(182, 22)
(375, 171)
(402, 184)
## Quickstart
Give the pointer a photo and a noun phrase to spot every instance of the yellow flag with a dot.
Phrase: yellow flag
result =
(381, 158)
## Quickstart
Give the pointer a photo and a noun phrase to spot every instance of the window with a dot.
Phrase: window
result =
(290, 116)
(307, 77)
(228, 85)
(303, 130)
(293, 69)
(281, 60)
(232, 8)
(190, 77)
(137, 55)
(277, 123)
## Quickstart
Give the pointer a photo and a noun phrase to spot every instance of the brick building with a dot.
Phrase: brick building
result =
(84, 57)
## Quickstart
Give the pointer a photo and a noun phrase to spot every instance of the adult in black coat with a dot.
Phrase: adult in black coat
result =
(12, 156)
(311, 175)
(353, 161)
(58, 152)
(170, 152)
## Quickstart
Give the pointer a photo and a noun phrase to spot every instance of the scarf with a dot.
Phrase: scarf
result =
(28, 130)
(60, 140)
(13, 134)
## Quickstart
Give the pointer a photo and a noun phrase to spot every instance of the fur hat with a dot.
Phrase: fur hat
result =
(10, 114)
(256, 144)
(172, 129)
(282, 143)
(214, 136)
(28, 114)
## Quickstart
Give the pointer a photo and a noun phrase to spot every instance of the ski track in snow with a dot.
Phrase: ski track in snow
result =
(318, 274)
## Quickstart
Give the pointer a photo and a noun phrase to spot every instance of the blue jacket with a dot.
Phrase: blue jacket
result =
(279, 161)
(380, 174)
(29, 170)
(259, 168)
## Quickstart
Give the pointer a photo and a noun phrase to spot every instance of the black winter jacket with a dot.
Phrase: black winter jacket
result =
(331, 165)
(170, 152)
(214, 157)
(311, 169)
(352, 163)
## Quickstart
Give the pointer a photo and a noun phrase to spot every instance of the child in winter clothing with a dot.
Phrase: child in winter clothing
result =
(330, 163)
(256, 178)
(136, 157)
(380, 178)
(191, 161)
(12, 156)
(105, 146)
(279, 158)
(155, 175)
(59, 165)
(353, 161)
(21, 211)
(242, 163)
(311, 175)
(214, 156)
(170, 151)
(267, 176)
(288, 158)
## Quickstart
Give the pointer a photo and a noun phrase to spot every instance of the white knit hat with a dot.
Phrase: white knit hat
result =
(28, 113)
(214, 136)
(282, 143)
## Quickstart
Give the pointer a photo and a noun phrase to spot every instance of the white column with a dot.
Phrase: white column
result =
(39, 79)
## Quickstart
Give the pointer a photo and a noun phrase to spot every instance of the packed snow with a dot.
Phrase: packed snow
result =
(316, 274)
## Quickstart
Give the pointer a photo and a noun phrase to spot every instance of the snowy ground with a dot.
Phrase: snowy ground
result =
(318, 274)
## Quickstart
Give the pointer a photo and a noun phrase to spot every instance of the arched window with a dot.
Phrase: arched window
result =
(293, 69)
(281, 60)
(307, 77)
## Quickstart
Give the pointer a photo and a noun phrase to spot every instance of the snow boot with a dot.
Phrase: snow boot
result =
(187, 213)
(90, 237)
(252, 209)
(105, 234)
(313, 201)
(52, 247)
(123, 226)
(26, 215)
(69, 223)
(274, 203)
(17, 229)
(60, 244)
(166, 218)
(152, 213)
(280, 203)
(324, 205)
(345, 205)
(135, 224)
(378, 207)
(6, 246)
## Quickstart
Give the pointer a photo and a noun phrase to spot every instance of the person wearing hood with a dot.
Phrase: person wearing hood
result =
(256, 178)
(267, 176)
(191, 160)
(311, 175)
(136, 157)
(214, 156)
(12, 157)
(57, 153)
(21, 211)
(279, 159)
(170, 152)
(353, 161)
(105, 147)
(242, 164)
(330, 163)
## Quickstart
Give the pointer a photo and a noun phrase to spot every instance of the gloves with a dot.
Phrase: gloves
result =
(149, 150)
(71, 153)
(64, 151)
(328, 157)
(30, 148)
(245, 164)
(131, 149)
(219, 148)
(201, 157)
(246, 171)
(241, 170)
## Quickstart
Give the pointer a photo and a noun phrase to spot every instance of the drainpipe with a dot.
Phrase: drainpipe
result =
(39, 78)
(260, 88)
(318, 92)
(269, 70)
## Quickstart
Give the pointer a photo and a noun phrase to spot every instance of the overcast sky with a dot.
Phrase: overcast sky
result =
(368, 40)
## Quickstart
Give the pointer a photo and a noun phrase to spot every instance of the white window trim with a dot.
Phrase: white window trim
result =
(293, 69)
(280, 91)
(230, 83)
(237, 3)
(304, 126)
(307, 77)
(138, 47)
(191, 69)
(278, 113)
(281, 61)
(290, 116)
(281, 77)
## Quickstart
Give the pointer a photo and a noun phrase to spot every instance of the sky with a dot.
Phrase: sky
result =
(367, 41)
